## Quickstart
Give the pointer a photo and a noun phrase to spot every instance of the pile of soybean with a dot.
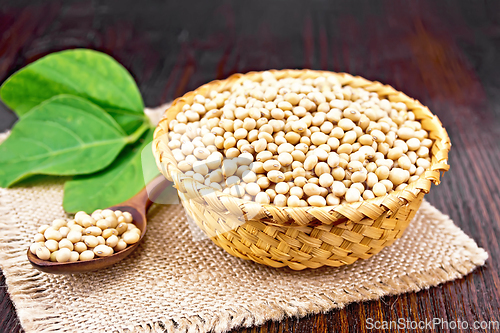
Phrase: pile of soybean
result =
(299, 142)
(86, 236)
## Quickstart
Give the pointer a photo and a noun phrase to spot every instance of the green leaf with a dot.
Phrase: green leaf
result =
(65, 135)
(92, 75)
(119, 182)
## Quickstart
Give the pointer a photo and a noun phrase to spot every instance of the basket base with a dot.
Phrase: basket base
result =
(304, 247)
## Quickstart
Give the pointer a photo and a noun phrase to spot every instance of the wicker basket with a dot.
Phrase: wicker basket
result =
(303, 237)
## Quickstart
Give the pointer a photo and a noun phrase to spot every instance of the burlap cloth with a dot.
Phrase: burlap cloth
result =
(175, 283)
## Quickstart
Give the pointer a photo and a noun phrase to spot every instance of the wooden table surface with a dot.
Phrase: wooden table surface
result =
(444, 53)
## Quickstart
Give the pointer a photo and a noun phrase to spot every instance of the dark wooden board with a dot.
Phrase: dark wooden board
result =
(444, 53)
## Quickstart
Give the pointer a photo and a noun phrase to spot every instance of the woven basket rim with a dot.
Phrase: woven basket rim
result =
(390, 203)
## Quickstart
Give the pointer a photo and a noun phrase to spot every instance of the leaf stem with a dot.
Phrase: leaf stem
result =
(140, 131)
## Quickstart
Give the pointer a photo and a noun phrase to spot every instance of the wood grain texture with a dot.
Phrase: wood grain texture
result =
(443, 53)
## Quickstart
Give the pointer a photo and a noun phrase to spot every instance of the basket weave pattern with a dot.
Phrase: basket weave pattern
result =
(303, 237)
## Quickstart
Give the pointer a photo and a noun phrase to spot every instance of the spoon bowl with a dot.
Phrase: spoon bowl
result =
(137, 206)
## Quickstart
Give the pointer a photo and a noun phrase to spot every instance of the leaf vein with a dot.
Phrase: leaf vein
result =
(55, 153)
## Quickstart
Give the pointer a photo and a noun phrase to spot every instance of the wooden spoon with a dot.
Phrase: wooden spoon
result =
(137, 206)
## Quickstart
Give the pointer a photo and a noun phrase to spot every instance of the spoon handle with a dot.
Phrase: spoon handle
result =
(145, 198)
